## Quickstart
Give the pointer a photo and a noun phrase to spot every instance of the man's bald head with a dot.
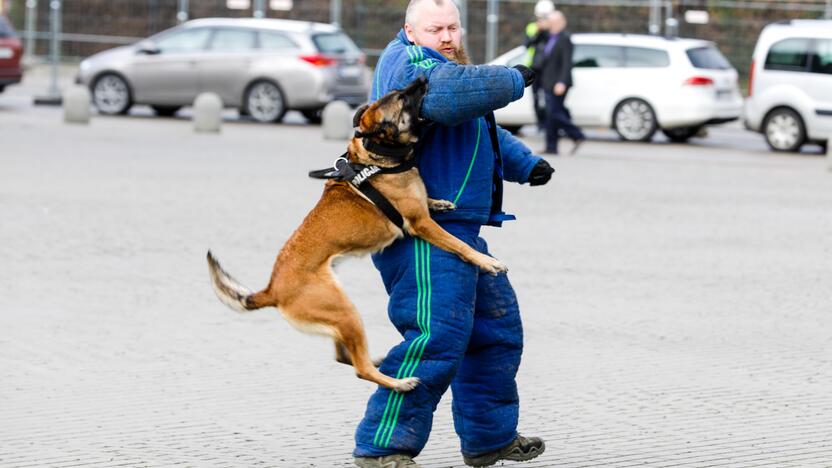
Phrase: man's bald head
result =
(435, 24)
(557, 21)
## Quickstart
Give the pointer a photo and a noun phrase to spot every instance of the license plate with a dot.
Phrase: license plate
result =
(6, 52)
(724, 94)
(349, 72)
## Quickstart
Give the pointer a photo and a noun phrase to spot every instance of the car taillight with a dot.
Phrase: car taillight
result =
(699, 81)
(751, 78)
(318, 60)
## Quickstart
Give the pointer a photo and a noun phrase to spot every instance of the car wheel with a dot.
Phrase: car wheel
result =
(314, 116)
(264, 102)
(111, 94)
(784, 130)
(634, 120)
(681, 134)
(166, 111)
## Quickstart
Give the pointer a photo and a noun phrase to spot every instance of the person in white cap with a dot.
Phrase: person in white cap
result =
(536, 36)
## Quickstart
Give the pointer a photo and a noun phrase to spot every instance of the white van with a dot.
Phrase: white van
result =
(790, 84)
(639, 84)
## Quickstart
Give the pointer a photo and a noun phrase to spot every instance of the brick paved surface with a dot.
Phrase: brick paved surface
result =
(677, 303)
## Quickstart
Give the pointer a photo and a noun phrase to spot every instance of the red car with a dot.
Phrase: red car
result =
(10, 52)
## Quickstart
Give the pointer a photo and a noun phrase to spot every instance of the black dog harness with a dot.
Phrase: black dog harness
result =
(359, 174)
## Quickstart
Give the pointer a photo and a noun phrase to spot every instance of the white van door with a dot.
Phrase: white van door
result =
(820, 89)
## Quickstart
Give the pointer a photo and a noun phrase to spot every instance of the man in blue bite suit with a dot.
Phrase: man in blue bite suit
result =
(461, 328)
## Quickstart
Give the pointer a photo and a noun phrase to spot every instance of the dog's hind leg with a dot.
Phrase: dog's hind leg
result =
(343, 356)
(323, 307)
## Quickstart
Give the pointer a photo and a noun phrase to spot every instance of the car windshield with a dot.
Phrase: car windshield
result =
(5, 28)
(709, 58)
(334, 43)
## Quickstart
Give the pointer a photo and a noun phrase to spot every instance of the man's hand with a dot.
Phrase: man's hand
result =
(541, 173)
(528, 74)
(560, 89)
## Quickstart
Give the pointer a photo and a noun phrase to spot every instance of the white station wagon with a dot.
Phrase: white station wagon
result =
(638, 84)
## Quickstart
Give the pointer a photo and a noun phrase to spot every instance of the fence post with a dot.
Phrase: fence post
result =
(259, 9)
(492, 17)
(182, 14)
(654, 26)
(335, 12)
(31, 21)
(53, 96)
(463, 19)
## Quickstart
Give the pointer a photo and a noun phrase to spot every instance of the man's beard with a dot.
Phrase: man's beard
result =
(459, 55)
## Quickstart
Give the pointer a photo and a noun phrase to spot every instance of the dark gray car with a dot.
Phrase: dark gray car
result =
(263, 67)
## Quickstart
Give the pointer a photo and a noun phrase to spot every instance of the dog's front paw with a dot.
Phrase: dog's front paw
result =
(493, 266)
(439, 206)
(406, 385)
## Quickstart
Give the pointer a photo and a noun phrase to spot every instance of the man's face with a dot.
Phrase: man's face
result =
(557, 22)
(437, 27)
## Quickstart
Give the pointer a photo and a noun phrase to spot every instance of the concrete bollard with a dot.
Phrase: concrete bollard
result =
(207, 113)
(77, 101)
(336, 121)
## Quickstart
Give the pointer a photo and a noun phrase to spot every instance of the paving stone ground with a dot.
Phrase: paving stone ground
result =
(677, 303)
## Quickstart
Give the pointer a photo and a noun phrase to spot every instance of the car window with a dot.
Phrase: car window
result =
(232, 40)
(709, 58)
(789, 55)
(597, 56)
(5, 28)
(273, 40)
(182, 41)
(822, 57)
(643, 57)
(517, 59)
(334, 43)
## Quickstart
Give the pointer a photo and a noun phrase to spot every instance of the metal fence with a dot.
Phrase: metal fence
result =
(92, 25)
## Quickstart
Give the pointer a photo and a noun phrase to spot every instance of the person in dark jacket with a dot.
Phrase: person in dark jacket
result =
(460, 327)
(556, 79)
(537, 33)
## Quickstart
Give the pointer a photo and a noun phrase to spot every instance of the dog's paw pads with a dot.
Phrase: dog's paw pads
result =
(441, 206)
(408, 384)
(495, 267)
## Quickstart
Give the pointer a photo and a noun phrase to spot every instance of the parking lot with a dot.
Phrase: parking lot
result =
(676, 300)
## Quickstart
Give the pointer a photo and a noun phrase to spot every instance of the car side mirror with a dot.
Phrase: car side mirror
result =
(148, 48)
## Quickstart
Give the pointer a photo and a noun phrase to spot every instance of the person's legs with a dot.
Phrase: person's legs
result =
(539, 101)
(432, 296)
(572, 131)
(485, 400)
(552, 125)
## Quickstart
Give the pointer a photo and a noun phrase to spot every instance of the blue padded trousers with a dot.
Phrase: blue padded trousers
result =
(461, 328)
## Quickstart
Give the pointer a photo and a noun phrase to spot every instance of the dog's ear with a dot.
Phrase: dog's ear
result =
(356, 119)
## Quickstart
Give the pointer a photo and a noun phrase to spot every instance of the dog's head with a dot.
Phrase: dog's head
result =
(394, 118)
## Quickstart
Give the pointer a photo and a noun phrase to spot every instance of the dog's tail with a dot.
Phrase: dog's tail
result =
(232, 293)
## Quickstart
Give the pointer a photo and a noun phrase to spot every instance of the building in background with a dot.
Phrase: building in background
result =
(93, 25)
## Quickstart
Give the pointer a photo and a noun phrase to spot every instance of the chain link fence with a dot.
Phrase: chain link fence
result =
(92, 25)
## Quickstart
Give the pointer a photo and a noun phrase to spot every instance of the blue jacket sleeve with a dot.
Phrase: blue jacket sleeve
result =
(458, 93)
(518, 159)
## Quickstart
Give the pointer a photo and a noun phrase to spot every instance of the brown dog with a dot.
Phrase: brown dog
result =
(345, 222)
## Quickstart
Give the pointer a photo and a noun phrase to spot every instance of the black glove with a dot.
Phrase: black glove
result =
(541, 173)
(528, 74)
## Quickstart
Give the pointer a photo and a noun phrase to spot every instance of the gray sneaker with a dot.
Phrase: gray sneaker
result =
(390, 461)
(521, 449)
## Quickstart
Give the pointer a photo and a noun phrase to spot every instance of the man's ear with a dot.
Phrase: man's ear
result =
(356, 118)
(408, 31)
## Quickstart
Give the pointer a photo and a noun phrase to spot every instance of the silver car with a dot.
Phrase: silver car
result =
(263, 67)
